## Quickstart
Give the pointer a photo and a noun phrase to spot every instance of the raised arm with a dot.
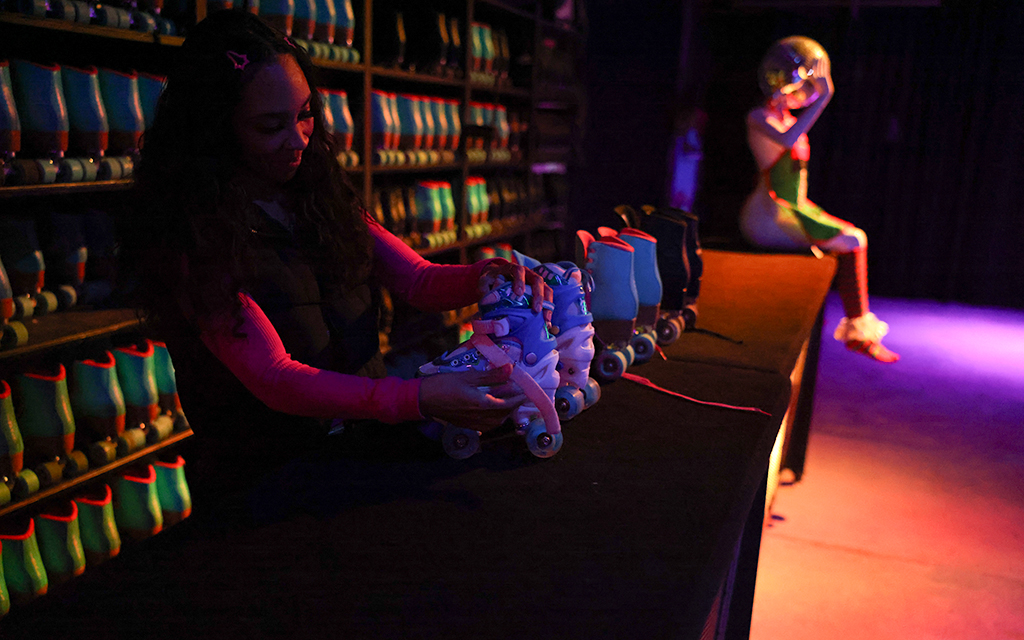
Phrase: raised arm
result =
(434, 287)
(786, 134)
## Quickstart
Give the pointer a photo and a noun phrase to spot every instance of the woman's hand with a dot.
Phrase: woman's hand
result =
(823, 77)
(519, 276)
(457, 398)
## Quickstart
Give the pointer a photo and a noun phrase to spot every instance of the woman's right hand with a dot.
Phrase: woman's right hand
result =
(457, 398)
(823, 76)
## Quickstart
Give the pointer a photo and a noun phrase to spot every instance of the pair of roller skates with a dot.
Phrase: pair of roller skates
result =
(553, 371)
(626, 297)
(680, 264)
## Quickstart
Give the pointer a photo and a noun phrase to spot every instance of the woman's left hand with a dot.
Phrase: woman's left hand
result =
(519, 276)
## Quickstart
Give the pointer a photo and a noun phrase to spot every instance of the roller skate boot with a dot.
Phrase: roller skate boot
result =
(44, 122)
(23, 565)
(571, 323)
(10, 124)
(58, 533)
(167, 387)
(121, 97)
(150, 88)
(508, 330)
(172, 490)
(97, 400)
(100, 539)
(648, 288)
(14, 333)
(613, 301)
(12, 447)
(304, 20)
(136, 374)
(137, 503)
(65, 253)
(26, 267)
(48, 427)
(90, 127)
(681, 265)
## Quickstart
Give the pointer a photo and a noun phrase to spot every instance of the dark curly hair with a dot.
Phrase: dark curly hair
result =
(186, 245)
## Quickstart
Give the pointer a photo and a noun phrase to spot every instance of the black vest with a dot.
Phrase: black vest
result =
(237, 436)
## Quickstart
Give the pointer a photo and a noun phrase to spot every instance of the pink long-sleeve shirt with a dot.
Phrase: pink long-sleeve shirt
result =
(260, 362)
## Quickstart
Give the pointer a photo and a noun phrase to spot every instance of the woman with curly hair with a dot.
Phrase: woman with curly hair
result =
(252, 255)
(795, 76)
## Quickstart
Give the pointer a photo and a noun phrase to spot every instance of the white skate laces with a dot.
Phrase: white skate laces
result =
(866, 328)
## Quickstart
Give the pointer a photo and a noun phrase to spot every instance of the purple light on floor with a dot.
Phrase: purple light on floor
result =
(980, 341)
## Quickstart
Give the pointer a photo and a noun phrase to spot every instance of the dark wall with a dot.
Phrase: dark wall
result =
(631, 68)
(922, 146)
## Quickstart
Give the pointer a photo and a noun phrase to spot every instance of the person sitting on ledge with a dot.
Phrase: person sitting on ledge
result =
(795, 75)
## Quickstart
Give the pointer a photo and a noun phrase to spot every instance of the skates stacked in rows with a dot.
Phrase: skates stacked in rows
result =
(508, 330)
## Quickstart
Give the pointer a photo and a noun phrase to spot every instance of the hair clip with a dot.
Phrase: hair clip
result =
(240, 60)
(290, 42)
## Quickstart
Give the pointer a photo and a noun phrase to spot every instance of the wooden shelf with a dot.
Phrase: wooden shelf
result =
(497, 4)
(506, 91)
(417, 168)
(80, 481)
(90, 29)
(67, 327)
(64, 188)
(385, 72)
(340, 66)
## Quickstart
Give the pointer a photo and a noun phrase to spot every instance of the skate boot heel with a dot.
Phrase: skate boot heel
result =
(613, 301)
(509, 332)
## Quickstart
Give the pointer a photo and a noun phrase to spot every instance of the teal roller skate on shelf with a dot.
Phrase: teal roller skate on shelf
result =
(508, 330)
(572, 324)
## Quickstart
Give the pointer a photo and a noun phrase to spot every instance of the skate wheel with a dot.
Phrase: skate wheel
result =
(130, 441)
(591, 392)
(609, 365)
(90, 167)
(70, 170)
(668, 330)
(62, 10)
(49, 473)
(76, 464)
(25, 484)
(127, 166)
(541, 443)
(14, 335)
(569, 402)
(690, 316)
(630, 354)
(66, 296)
(24, 307)
(644, 346)
(159, 429)
(109, 169)
(102, 452)
(460, 443)
(46, 302)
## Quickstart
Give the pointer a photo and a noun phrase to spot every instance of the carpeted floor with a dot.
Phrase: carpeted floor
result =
(908, 523)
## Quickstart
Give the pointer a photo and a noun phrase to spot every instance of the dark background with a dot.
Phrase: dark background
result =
(921, 146)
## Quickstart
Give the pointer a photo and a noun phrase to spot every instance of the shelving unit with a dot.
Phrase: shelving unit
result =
(53, 40)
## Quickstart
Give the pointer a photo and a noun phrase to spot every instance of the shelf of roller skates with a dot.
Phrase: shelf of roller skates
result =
(65, 129)
(326, 30)
(104, 20)
(410, 132)
(64, 426)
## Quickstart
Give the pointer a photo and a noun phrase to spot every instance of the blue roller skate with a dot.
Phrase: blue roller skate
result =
(509, 331)
(648, 288)
(613, 302)
(571, 322)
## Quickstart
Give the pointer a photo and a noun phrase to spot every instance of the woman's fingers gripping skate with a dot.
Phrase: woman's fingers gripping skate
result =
(479, 400)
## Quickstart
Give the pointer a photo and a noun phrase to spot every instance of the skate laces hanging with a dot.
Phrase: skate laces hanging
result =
(647, 383)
